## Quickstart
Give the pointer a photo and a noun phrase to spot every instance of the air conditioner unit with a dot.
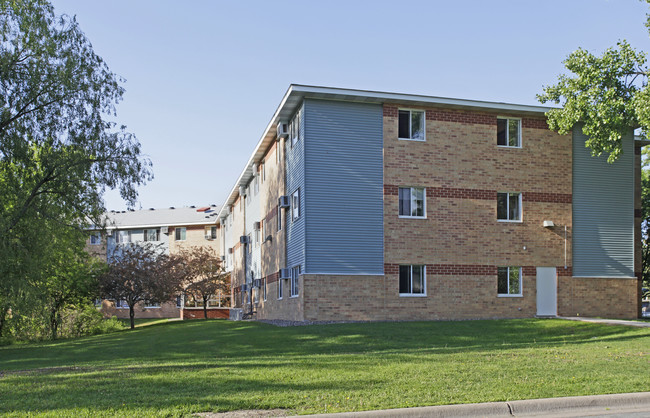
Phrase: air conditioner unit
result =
(230, 250)
(242, 191)
(208, 237)
(285, 274)
(244, 239)
(236, 314)
(284, 202)
(283, 130)
(257, 226)
(164, 229)
(257, 282)
(223, 258)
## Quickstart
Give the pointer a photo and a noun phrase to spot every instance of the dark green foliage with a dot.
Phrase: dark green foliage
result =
(59, 151)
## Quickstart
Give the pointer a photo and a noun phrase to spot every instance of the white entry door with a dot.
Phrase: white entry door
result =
(546, 291)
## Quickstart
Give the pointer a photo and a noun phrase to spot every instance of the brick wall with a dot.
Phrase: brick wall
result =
(213, 313)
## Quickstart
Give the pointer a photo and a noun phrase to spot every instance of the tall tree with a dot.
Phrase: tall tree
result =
(139, 273)
(60, 149)
(206, 275)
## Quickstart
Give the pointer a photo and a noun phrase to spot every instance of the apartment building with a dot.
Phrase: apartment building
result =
(172, 229)
(362, 205)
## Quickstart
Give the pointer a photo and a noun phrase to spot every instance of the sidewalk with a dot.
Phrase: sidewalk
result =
(617, 405)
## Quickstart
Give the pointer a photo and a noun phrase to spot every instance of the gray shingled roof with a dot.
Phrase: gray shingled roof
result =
(162, 217)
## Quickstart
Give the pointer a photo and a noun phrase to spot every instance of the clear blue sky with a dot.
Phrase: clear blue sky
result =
(203, 78)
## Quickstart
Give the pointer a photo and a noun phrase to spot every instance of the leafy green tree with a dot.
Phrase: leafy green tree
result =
(60, 148)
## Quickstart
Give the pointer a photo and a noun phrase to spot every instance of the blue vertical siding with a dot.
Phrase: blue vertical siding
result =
(603, 211)
(343, 197)
(295, 178)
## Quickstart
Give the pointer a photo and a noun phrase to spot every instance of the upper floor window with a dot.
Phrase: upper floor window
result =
(152, 234)
(411, 125)
(294, 129)
(509, 132)
(509, 206)
(256, 184)
(295, 205)
(95, 238)
(509, 281)
(263, 170)
(412, 202)
(180, 233)
(213, 232)
(412, 280)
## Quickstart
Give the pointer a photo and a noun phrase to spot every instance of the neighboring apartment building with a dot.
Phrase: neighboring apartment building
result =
(172, 229)
(360, 205)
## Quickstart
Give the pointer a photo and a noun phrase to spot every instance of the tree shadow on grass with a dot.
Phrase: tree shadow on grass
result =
(199, 340)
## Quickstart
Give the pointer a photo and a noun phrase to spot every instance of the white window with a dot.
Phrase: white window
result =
(279, 289)
(279, 218)
(213, 232)
(412, 202)
(509, 132)
(295, 205)
(95, 238)
(411, 125)
(294, 129)
(121, 304)
(263, 170)
(256, 184)
(179, 301)
(264, 288)
(124, 237)
(412, 280)
(152, 234)
(180, 233)
(509, 281)
(295, 276)
(148, 304)
(257, 237)
(509, 207)
(250, 247)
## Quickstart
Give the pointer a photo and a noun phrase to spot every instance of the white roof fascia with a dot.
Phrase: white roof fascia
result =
(366, 96)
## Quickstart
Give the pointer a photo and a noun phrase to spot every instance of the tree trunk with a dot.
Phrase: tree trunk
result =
(132, 316)
(205, 307)
(53, 323)
(3, 317)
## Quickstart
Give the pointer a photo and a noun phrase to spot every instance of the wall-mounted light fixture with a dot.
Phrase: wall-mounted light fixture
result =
(548, 224)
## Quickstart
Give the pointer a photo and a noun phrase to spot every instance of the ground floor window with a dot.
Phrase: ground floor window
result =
(279, 289)
(412, 280)
(295, 276)
(509, 281)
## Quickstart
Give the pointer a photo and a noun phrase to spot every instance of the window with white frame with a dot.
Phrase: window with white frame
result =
(263, 170)
(124, 237)
(509, 132)
(121, 304)
(179, 301)
(411, 125)
(412, 280)
(280, 289)
(509, 281)
(250, 247)
(295, 277)
(279, 218)
(95, 238)
(214, 301)
(412, 202)
(180, 233)
(509, 206)
(257, 238)
(294, 129)
(148, 304)
(256, 184)
(213, 232)
(264, 288)
(295, 205)
(151, 235)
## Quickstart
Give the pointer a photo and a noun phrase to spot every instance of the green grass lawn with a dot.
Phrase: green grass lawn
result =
(176, 368)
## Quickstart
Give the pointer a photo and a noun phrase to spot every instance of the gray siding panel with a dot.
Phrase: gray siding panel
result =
(344, 187)
(295, 178)
(603, 211)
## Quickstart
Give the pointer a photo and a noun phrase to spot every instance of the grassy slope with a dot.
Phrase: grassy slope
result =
(181, 367)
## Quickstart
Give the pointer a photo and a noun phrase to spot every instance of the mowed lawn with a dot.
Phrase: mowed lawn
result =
(177, 368)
